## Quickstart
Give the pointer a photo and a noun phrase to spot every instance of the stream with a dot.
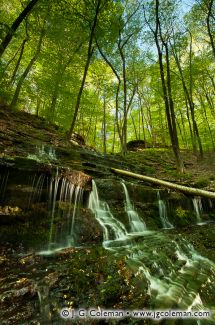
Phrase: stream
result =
(175, 273)
(134, 268)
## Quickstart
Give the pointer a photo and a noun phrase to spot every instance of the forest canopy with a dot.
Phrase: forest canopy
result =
(114, 71)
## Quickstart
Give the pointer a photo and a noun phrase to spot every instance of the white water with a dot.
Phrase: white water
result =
(43, 153)
(163, 213)
(62, 232)
(197, 204)
(112, 228)
(136, 224)
(37, 187)
(173, 273)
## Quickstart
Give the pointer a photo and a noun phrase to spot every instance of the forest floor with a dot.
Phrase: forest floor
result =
(21, 132)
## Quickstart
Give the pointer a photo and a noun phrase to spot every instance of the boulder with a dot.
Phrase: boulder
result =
(135, 145)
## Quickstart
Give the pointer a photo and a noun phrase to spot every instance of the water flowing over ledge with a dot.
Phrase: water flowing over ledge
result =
(173, 272)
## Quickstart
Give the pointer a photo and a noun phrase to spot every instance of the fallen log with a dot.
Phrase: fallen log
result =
(185, 189)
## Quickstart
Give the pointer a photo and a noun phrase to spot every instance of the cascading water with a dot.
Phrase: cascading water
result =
(112, 228)
(135, 223)
(62, 235)
(43, 153)
(37, 187)
(163, 213)
(197, 204)
(172, 272)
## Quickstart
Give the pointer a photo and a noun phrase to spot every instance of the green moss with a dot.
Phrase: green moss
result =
(181, 213)
(202, 181)
(150, 170)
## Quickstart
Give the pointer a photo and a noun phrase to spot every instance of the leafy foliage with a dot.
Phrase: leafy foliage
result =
(122, 97)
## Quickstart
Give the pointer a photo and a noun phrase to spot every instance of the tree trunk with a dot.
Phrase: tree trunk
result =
(95, 131)
(117, 92)
(18, 62)
(59, 76)
(104, 126)
(114, 135)
(166, 87)
(175, 143)
(15, 25)
(9, 62)
(177, 187)
(184, 129)
(206, 119)
(27, 70)
(135, 129)
(124, 125)
(142, 117)
(38, 106)
(210, 15)
(191, 102)
(89, 55)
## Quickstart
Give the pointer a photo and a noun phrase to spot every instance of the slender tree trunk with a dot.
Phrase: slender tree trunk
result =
(38, 106)
(143, 124)
(209, 16)
(89, 128)
(15, 26)
(162, 127)
(114, 137)
(117, 93)
(142, 116)
(190, 128)
(210, 101)
(89, 55)
(149, 119)
(18, 62)
(124, 125)
(184, 129)
(139, 124)
(191, 102)
(95, 131)
(117, 113)
(27, 70)
(104, 127)
(9, 62)
(206, 119)
(135, 129)
(172, 114)
(180, 132)
(166, 86)
(59, 76)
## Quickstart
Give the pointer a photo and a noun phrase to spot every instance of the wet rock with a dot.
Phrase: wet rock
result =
(87, 228)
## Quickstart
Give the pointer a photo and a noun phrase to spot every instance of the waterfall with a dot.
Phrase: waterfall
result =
(197, 204)
(163, 213)
(174, 271)
(135, 223)
(112, 228)
(78, 196)
(171, 282)
(37, 187)
(52, 201)
(64, 204)
(43, 153)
